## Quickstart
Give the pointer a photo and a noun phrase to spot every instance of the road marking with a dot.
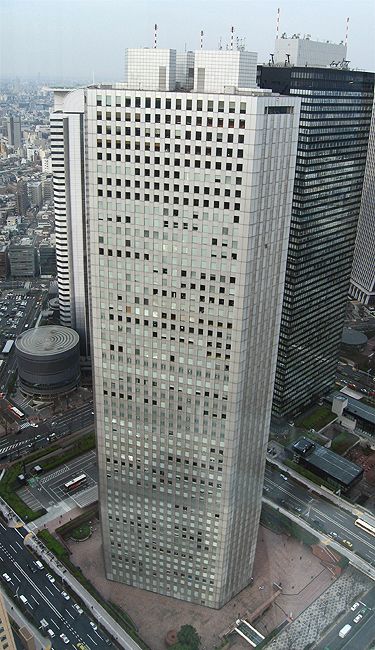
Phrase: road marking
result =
(337, 514)
(54, 623)
(71, 615)
(38, 591)
(90, 637)
(16, 577)
(37, 601)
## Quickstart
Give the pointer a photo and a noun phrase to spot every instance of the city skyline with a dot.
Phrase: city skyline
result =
(54, 52)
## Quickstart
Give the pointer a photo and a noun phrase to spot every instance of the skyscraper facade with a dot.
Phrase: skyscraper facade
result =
(188, 204)
(68, 160)
(362, 284)
(6, 634)
(331, 156)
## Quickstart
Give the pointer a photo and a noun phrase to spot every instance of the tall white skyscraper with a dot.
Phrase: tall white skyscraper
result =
(362, 283)
(68, 161)
(188, 204)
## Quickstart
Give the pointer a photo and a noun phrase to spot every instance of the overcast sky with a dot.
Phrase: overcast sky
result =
(74, 39)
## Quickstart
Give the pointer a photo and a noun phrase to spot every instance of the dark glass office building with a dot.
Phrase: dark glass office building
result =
(332, 146)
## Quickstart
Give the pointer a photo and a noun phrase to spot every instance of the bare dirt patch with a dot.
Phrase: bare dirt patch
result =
(367, 461)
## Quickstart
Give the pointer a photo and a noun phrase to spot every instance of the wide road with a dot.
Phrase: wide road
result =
(358, 378)
(321, 514)
(362, 632)
(45, 599)
(31, 438)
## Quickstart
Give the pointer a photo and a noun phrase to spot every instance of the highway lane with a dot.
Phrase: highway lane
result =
(321, 514)
(72, 421)
(45, 599)
(362, 632)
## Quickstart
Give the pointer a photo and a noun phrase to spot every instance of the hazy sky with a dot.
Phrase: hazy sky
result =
(76, 38)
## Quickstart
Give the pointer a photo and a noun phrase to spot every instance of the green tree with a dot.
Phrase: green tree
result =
(188, 638)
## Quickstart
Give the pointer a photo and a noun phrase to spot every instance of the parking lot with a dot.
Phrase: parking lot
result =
(14, 310)
(47, 490)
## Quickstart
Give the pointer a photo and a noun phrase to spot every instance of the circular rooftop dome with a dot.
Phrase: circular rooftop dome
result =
(48, 360)
(46, 340)
(353, 337)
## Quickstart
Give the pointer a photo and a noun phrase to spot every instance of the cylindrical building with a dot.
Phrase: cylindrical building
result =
(48, 360)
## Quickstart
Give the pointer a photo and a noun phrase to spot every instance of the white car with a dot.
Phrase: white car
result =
(357, 618)
(51, 633)
(354, 607)
(50, 577)
(78, 608)
(94, 627)
(65, 595)
(7, 578)
(285, 478)
(64, 638)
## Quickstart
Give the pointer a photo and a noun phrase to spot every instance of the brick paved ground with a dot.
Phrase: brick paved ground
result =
(278, 559)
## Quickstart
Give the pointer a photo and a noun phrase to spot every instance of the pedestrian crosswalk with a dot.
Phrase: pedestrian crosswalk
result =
(23, 402)
(87, 497)
(12, 447)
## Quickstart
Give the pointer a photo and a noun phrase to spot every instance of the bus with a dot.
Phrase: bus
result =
(75, 482)
(16, 412)
(364, 523)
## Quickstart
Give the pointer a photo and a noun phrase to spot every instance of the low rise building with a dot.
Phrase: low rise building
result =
(331, 467)
(23, 258)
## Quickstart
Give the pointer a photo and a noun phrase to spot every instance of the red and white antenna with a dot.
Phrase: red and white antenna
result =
(278, 23)
(201, 39)
(231, 37)
(155, 36)
(347, 32)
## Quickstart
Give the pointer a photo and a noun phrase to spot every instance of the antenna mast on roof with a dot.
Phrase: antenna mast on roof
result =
(202, 39)
(347, 32)
(155, 36)
(277, 22)
(231, 37)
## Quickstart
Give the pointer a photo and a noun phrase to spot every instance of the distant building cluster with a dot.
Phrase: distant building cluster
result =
(27, 239)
